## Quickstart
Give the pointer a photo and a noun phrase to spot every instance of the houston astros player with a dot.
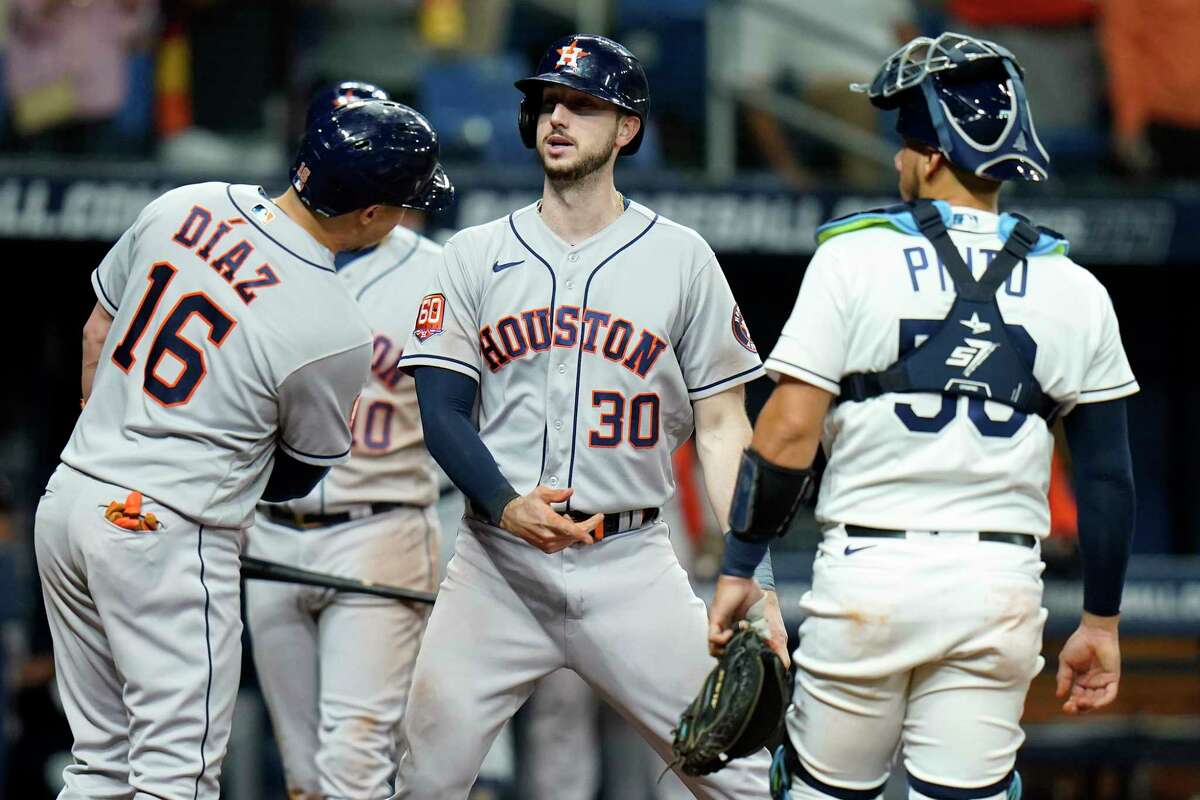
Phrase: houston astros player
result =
(596, 335)
(220, 364)
(335, 667)
(929, 348)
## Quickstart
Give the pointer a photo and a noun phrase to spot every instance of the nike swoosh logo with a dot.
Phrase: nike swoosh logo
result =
(852, 550)
(498, 267)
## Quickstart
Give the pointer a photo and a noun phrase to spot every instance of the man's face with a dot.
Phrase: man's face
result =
(576, 133)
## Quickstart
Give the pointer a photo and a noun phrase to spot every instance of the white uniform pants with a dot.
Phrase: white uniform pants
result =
(147, 643)
(335, 667)
(929, 641)
(620, 613)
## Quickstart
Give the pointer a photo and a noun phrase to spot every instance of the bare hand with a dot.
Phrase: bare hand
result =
(1089, 666)
(531, 518)
(729, 605)
(778, 640)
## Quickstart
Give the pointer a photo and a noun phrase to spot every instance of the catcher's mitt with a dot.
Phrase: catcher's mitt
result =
(739, 710)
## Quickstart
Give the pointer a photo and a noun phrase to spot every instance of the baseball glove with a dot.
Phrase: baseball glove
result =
(739, 710)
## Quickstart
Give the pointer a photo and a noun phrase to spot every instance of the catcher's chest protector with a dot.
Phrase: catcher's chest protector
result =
(972, 351)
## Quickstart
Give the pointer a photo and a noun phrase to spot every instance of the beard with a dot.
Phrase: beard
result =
(586, 164)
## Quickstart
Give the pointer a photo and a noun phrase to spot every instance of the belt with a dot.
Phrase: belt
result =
(304, 522)
(621, 521)
(1022, 539)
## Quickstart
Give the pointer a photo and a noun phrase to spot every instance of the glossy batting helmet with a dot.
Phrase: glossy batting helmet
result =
(341, 94)
(594, 65)
(965, 97)
(370, 152)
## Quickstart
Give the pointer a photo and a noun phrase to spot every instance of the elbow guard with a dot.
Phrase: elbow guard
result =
(766, 497)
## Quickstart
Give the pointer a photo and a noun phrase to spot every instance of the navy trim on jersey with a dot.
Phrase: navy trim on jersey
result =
(726, 380)
(250, 218)
(1110, 388)
(939, 792)
(471, 367)
(579, 360)
(553, 314)
(345, 258)
(100, 286)
(207, 644)
(404, 258)
(300, 452)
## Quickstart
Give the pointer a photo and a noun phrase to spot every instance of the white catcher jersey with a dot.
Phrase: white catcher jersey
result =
(923, 461)
(232, 334)
(588, 356)
(388, 462)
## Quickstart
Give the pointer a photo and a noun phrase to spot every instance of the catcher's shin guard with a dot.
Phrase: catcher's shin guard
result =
(781, 777)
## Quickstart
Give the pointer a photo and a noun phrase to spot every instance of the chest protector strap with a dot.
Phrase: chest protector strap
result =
(971, 352)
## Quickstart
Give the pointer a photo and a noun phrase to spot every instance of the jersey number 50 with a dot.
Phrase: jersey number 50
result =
(169, 341)
(912, 331)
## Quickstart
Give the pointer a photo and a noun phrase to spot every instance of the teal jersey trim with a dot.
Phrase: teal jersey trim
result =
(900, 219)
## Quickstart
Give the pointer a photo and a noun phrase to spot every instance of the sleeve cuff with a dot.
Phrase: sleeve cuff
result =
(777, 367)
(410, 362)
(741, 558)
(314, 458)
(716, 387)
(102, 295)
(1109, 392)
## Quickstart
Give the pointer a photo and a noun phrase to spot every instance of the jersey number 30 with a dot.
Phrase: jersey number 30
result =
(169, 341)
(912, 331)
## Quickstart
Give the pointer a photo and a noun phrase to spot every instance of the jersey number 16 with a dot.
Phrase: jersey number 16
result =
(169, 339)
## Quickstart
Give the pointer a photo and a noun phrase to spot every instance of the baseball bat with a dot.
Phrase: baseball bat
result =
(263, 570)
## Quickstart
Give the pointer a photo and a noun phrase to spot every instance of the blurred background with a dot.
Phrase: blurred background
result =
(753, 140)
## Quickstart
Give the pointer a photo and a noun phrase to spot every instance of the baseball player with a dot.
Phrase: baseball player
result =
(929, 349)
(596, 336)
(335, 667)
(220, 365)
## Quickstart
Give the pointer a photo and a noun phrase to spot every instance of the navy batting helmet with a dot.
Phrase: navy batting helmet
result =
(370, 152)
(341, 94)
(965, 97)
(594, 65)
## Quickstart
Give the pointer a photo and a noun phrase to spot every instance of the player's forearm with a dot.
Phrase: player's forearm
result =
(95, 331)
(446, 399)
(788, 430)
(1098, 437)
(722, 433)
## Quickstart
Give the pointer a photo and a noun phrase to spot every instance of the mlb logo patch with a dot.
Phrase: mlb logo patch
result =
(302, 175)
(430, 316)
(262, 213)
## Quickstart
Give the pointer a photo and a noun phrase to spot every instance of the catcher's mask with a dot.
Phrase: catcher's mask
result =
(966, 98)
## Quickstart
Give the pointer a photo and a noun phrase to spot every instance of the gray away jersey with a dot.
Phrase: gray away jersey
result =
(232, 334)
(588, 356)
(389, 462)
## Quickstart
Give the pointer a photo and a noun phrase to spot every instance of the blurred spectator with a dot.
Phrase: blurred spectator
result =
(816, 49)
(1153, 52)
(1055, 41)
(68, 71)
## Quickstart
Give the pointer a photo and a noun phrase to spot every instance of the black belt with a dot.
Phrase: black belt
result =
(612, 522)
(1022, 539)
(304, 522)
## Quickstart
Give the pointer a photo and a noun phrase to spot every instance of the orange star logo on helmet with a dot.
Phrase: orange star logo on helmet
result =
(569, 56)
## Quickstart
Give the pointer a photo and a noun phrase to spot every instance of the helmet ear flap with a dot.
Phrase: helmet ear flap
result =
(527, 117)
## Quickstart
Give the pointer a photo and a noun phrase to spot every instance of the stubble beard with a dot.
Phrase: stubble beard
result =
(587, 165)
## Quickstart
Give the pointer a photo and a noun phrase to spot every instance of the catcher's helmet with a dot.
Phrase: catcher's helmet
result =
(341, 94)
(594, 65)
(370, 152)
(965, 97)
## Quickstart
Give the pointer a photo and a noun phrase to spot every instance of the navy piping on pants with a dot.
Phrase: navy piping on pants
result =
(208, 645)
(939, 792)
